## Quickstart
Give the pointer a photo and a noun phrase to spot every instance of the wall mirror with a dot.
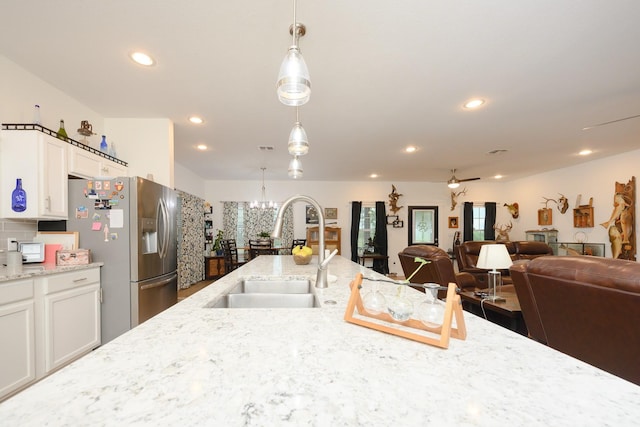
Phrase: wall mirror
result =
(423, 225)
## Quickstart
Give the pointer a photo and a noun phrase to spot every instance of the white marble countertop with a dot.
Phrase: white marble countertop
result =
(40, 269)
(197, 366)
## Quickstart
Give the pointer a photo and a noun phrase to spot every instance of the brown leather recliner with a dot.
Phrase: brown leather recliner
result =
(438, 270)
(467, 254)
(586, 307)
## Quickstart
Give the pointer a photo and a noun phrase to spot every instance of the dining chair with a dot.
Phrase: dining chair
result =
(261, 247)
(230, 254)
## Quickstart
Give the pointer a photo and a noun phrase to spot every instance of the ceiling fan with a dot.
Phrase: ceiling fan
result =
(455, 182)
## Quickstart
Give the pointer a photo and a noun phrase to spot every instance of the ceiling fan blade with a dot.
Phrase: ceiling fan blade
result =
(468, 179)
(612, 121)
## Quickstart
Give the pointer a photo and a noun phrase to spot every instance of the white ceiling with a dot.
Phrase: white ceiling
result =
(384, 75)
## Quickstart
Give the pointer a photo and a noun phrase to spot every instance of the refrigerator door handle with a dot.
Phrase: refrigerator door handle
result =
(163, 219)
(158, 284)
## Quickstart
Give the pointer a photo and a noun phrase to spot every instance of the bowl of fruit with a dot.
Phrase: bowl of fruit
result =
(301, 254)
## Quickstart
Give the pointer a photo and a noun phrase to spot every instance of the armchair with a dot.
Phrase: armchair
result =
(439, 270)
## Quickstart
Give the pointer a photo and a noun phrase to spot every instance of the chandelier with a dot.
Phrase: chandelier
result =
(263, 203)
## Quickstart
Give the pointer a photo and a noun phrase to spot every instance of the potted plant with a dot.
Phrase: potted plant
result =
(217, 244)
(264, 235)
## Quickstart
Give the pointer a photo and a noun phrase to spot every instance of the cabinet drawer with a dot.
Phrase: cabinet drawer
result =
(16, 290)
(63, 281)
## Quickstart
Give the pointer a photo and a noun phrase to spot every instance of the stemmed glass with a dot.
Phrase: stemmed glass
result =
(400, 307)
(374, 302)
(431, 311)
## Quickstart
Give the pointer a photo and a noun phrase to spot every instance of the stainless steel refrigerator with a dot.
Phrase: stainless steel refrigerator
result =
(129, 224)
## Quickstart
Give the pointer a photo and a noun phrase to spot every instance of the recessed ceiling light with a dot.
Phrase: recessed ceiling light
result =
(473, 103)
(585, 152)
(142, 59)
(411, 149)
(498, 176)
(373, 175)
(196, 120)
(201, 147)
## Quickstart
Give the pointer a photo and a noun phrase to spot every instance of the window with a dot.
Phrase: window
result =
(479, 215)
(367, 227)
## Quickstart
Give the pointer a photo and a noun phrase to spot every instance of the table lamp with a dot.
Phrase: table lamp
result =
(493, 257)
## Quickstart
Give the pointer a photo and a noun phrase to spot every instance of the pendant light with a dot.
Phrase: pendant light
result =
(298, 142)
(294, 83)
(263, 204)
(295, 168)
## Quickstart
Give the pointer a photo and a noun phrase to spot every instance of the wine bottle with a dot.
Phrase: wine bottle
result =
(18, 197)
(62, 134)
(104, 147)
(36, 115)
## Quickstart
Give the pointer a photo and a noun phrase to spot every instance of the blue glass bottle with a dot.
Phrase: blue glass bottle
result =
(19, 198)
(104, 147)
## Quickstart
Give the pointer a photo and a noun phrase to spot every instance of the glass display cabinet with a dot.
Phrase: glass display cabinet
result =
(574, 248)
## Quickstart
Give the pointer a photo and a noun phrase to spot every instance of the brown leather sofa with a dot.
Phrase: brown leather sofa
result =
(467, 256)
(438, 270)
(587, 307)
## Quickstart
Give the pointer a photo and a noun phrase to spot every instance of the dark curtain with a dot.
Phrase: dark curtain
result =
(380, 241)
(489, 220)
(356, 208)
(467, 231)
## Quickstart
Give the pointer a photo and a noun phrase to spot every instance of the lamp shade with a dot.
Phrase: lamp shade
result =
(494, 256)
(298, 143)
(294, 83)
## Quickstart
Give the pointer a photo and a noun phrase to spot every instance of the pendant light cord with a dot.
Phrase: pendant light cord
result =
(294, 30)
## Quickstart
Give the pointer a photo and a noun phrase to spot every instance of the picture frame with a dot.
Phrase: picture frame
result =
(398, 224)
(545, 216)
(311, 215)
(331, 213)
(423, 225)
(454, 222)
(391, 219)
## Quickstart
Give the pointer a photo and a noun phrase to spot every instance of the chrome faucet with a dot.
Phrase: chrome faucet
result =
(321, 276)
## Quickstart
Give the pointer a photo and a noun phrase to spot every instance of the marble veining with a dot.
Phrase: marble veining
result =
(195, 366)
(31, 270)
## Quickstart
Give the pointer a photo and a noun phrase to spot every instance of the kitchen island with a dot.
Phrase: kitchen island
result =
(194, 366)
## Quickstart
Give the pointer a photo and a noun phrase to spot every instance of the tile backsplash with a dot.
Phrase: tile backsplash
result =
(21, 229)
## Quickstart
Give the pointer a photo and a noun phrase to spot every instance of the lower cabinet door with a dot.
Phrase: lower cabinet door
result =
(72, 324)
(17, 338)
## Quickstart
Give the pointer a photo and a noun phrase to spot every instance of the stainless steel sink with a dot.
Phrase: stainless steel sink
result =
(293, 286)
(280, 293)
(271, 300)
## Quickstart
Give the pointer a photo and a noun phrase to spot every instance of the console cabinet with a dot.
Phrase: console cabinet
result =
(46, 323)
(332, 238)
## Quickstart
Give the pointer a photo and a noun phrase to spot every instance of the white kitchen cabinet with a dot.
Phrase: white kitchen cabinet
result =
(40, 160)
(85, 164)
(17, 336)
(46, 322)
(70, 317)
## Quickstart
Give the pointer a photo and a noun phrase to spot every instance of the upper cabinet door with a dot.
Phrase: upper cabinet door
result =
(40, 161)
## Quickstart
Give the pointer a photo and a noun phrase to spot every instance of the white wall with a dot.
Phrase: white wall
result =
(592, 179)
(187, 181)
(21, 90)
(148, 143)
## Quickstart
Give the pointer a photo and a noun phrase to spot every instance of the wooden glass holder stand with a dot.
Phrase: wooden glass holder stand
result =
(452, 307)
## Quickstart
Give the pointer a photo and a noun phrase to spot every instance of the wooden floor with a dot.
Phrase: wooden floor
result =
(184, 293)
